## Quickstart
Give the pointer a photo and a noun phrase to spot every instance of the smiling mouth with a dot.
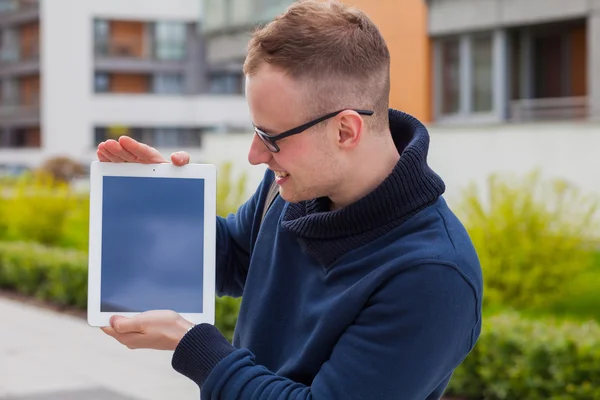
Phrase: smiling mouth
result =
(281, 174)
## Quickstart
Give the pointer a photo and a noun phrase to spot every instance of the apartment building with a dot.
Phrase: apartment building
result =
(227, 25)
(525, 60)
(505, 86)
(74, 73)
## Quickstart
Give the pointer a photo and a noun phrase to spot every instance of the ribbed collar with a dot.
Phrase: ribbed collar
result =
(410, 187)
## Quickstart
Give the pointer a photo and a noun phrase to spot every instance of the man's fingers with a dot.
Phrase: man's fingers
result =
(142, 152)
(180, 158)
(116, 149)
(102, 157)
(109, 156)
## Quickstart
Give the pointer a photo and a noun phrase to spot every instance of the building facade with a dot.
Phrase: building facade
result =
(525, 60)
(74, 73)
(505, 86)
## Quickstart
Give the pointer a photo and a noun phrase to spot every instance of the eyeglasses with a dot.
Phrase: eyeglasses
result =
(270, 140)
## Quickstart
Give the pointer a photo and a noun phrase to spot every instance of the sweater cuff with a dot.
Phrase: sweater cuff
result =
(199, 351)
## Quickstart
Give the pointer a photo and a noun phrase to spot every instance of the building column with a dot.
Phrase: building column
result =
(593, 49)
(501, 77)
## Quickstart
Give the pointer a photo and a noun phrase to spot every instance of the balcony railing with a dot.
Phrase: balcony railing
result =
(17, 5)
(138, 48)
(26, 52)
(549, 109)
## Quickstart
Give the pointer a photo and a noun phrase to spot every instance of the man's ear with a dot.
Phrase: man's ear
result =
(350, 129)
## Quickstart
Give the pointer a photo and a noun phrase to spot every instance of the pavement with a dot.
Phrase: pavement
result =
(48, 355)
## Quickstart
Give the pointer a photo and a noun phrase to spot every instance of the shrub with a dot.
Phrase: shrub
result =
(36, 208)
(60, 276)
(532, 237)
(51, 274)
(230, 196)
(518, 358)
(230, 193)
(62, 169)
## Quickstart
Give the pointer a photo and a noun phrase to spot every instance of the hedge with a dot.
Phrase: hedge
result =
(519, 358)
(60, 276)
(516, 358)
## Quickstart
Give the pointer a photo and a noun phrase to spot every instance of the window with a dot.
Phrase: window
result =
(101, 37)
(226, 83)
(481, 50)
(9, 49)
(101, 82)
(161, 137)
(10, 92)
(168, 84)
(26, 137)
(450, 79)
(170, 40)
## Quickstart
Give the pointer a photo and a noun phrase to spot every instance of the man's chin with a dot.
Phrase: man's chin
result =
(291, 197)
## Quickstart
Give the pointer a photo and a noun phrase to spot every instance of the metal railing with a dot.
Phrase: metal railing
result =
(549, 109)
(16, 5)
(138, 48)
(26, 52)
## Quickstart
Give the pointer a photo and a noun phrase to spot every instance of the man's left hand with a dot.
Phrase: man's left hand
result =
(159, 330)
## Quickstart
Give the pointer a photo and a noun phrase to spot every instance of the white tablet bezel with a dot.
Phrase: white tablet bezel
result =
(98, 170)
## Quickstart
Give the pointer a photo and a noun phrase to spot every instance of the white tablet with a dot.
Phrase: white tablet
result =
(152, 240)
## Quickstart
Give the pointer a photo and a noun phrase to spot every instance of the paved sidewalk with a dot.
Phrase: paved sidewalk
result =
(45, 355)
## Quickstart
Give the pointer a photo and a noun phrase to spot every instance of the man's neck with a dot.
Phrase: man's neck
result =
(373, 167)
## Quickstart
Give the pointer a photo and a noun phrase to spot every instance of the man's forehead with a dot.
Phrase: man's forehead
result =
(274, 99)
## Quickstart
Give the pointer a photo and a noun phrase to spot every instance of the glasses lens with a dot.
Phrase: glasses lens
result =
(266, 140)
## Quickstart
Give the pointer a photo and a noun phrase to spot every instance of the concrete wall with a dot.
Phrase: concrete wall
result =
(462, 155)
(451, 16)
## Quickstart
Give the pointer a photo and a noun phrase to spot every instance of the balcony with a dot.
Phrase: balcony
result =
(15, 12)
(559, 108)
(14, 112)
(23, 60)
(136, 55)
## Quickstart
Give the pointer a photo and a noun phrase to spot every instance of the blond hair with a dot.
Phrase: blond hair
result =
(336, 50)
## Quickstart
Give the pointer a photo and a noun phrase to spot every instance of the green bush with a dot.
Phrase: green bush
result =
(532, 236)
(230, 195)
(39, 209)
(518, 358)
(51, 274)
(60, 276)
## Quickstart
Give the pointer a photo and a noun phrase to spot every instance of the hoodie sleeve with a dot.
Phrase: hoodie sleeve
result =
(398, 347)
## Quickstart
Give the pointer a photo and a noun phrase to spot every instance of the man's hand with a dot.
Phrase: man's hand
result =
(129, 150)
(158, 330)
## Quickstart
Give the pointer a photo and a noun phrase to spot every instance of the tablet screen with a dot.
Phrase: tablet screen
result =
(152, 244)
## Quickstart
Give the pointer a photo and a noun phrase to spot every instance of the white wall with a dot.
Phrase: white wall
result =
(470, 154)
(152, 110)
(564, 150)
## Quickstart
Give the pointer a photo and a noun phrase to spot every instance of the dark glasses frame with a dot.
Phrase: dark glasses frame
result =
(270, 140)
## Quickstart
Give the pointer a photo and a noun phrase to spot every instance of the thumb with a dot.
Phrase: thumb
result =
(125, 325)
(180, 158)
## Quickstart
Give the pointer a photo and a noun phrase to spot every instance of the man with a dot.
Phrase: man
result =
(359, 282)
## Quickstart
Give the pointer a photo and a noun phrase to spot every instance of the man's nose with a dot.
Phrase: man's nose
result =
(258, 154)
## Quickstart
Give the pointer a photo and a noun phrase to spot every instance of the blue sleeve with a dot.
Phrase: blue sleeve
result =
(235, 237)
(398, 347)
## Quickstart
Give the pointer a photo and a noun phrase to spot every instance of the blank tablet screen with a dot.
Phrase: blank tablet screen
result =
(152, 244)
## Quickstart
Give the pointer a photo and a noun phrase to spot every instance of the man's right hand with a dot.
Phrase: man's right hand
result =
(129, 150)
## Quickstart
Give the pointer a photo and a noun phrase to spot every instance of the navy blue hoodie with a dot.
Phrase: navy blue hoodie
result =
(377, 300)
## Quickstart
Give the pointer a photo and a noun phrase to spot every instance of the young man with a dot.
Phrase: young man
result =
(359, 282)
